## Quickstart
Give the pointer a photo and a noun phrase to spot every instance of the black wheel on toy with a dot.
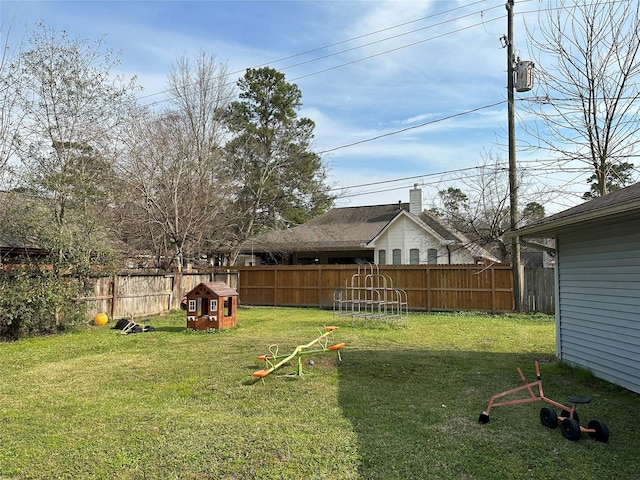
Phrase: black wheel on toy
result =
(570, 429)
(548, 417)
(601, 433)
(484, 418)
(566, 413)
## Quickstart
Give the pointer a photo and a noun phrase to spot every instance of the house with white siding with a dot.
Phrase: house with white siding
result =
(401, 234)
(598, 284)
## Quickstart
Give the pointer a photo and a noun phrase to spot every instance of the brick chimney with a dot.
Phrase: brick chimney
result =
(415, 200)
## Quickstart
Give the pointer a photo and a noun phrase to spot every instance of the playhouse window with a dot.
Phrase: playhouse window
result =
(227, 307)
(192, 305)
(214, 306)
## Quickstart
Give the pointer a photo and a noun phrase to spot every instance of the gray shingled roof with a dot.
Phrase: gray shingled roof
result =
(16, 246)
(339, 228)
(445, 231)
(621, 202)
(10, 243)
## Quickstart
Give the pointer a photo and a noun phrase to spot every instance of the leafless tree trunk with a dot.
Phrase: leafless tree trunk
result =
(478, 205)
(177, 197)
(587, 71)
(10, 115)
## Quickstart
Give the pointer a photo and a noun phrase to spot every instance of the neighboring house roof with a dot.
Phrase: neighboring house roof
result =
(10, 245)
(357, 228)
(619, 203)
(339, 228)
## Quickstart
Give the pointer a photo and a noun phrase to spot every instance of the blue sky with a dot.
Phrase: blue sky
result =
(366, 69)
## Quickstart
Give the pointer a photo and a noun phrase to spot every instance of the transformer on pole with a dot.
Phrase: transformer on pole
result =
(523, 75)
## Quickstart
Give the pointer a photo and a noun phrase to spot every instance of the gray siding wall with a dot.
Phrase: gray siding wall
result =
(599, 300)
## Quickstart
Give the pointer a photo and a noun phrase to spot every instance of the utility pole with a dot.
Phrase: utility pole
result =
(513, 177)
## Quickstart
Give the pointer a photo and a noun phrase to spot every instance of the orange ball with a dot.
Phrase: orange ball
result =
(101, 319)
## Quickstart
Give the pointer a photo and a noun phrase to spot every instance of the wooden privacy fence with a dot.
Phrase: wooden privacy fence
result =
(539, 290)
(147, 294)
(428, 287)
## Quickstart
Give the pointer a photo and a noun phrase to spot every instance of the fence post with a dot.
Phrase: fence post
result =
(114, 296)
(493, 289)
(320, 287)
(177, 289)
(428, 289)
(275, 286)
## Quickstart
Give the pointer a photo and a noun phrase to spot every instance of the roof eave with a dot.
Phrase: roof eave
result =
(309, 247)
(547, 229)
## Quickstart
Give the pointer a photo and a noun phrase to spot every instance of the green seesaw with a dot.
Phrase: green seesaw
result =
(274, 361)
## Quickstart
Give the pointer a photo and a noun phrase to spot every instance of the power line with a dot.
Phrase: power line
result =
(396, 132)
(395, 49)
(360, 46)
(406, 178)
(398, 36)
(387, 52)
(542, 171)
(365, 35)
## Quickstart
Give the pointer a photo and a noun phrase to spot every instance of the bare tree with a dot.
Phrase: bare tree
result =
(478, 205)
(200, 89)
(75, 116)
(177, 196)
(588, 71)
(10, 116)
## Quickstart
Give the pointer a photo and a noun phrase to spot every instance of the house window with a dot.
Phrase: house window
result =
(382, 257)
(432, 256)
(214, 306)
(414, 256)
(192, 305)
(397, 256)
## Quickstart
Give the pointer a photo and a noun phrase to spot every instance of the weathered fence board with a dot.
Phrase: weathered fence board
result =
(137, 295)
(540, 290)
(428, 287)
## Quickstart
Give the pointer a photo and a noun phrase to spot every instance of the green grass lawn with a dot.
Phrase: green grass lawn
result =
(403, 403)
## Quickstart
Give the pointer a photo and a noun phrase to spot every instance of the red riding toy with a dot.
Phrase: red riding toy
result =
(567, 419)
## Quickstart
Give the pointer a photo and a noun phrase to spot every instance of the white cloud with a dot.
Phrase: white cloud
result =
(427, 69)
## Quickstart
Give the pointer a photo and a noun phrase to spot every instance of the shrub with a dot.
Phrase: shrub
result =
(38, 301)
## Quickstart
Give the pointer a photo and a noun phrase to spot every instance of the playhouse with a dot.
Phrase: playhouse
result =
(211, 305)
